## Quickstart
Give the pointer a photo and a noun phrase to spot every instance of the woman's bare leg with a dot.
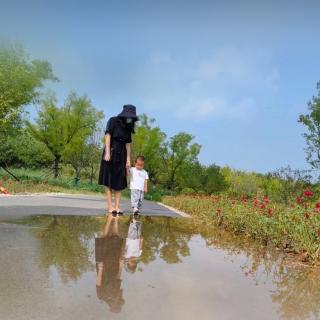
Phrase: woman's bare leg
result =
(109, 199)
(117, 202)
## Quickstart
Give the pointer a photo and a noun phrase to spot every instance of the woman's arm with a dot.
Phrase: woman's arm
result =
(107, 142)
(128, 146)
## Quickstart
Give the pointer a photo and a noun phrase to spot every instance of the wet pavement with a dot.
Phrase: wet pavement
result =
(16, 206)
(76, 267)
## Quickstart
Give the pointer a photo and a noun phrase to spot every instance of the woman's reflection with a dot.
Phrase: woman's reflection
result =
(108, 250)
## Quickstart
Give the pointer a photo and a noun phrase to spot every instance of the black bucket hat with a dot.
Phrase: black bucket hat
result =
(129, 111)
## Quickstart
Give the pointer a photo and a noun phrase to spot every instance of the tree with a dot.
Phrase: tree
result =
(24, 150)
(20, 81)
(85, 155)
(94, 151)
(147, 141)
(177, 154)
(213, 179)
(312, 137)
(64, 130)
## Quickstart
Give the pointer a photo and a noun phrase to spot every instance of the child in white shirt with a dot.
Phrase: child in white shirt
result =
(138, 184)
(134, 242)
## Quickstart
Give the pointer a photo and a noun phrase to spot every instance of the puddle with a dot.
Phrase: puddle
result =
(63, 267)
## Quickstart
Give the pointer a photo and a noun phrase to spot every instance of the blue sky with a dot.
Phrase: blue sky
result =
(235, 74)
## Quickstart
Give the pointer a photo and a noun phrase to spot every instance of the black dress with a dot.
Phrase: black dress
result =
(113, 173)
(108, 250)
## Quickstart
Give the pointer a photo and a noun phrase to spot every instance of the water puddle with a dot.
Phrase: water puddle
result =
(63, 267)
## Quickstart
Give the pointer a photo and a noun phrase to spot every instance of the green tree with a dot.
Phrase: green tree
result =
(20, 81)
(176, 155)
(213, 180)
(94, 151)
(312, 122)
(147, 141)
(24, 150)
(64, 130)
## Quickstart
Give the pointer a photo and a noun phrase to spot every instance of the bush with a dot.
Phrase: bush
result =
(187, 191)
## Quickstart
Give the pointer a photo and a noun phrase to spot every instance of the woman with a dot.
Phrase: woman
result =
(116, 155)
(109, 265)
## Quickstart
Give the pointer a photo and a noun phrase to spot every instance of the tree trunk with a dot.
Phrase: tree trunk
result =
(91, 175)
(56, 167)
(77, 177)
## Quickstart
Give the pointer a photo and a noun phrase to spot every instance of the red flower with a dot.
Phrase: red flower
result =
(270, 212)
(3, 190)
(317, 205)
(308, 193)
(299, 200)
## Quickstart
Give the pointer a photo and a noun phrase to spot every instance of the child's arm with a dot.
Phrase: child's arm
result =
(146, 186)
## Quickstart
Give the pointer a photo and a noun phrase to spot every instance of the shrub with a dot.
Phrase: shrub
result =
(187, 191)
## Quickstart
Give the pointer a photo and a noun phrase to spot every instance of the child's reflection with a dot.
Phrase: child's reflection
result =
(134, 242)
(108, 250)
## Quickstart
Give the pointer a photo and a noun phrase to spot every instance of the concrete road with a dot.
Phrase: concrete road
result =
(16, 206)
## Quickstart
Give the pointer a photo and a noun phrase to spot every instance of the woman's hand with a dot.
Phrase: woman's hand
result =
(107, 156)
(128, 164)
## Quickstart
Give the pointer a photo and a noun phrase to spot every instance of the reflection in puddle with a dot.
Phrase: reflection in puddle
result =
(146, 267)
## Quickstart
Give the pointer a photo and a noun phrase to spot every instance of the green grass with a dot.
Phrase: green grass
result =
(41, 181)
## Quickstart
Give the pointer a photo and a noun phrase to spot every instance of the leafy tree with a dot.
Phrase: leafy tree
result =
(20, 81)
(213, 180)
(24, 150)
(147, 141)
(176, 155)
(94, 151)
(64, 130)
(312, 123)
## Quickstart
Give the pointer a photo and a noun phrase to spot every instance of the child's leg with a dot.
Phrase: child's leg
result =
(141, 197)
(134, 199)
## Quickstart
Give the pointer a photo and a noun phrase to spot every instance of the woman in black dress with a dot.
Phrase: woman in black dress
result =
(109, 264)
(116, 155)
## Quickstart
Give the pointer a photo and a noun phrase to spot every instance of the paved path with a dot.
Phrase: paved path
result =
(16, 206)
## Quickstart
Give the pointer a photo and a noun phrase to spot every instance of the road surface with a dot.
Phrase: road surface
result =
(17, 206)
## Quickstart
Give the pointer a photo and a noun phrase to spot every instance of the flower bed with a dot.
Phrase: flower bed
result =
(294, 227)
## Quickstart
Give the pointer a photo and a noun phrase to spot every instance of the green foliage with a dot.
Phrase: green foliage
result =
(147, 141)
(177, 154)
(24, 150)
(64, 131)
(187, 191)
(20, 81)
(312, 123)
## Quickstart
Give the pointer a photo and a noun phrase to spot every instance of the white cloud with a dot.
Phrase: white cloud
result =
(220, 108)
(227, 84)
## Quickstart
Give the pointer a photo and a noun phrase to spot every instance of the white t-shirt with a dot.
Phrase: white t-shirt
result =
(132, 248)
(137, 178)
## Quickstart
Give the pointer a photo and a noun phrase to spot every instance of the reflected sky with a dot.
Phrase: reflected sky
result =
(124, 268)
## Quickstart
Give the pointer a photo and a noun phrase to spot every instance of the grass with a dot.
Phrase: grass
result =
(37, 181)
(34, 181)
(294, 227)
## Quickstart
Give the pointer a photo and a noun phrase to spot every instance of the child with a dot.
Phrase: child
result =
(138, 184)
(134, 242)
